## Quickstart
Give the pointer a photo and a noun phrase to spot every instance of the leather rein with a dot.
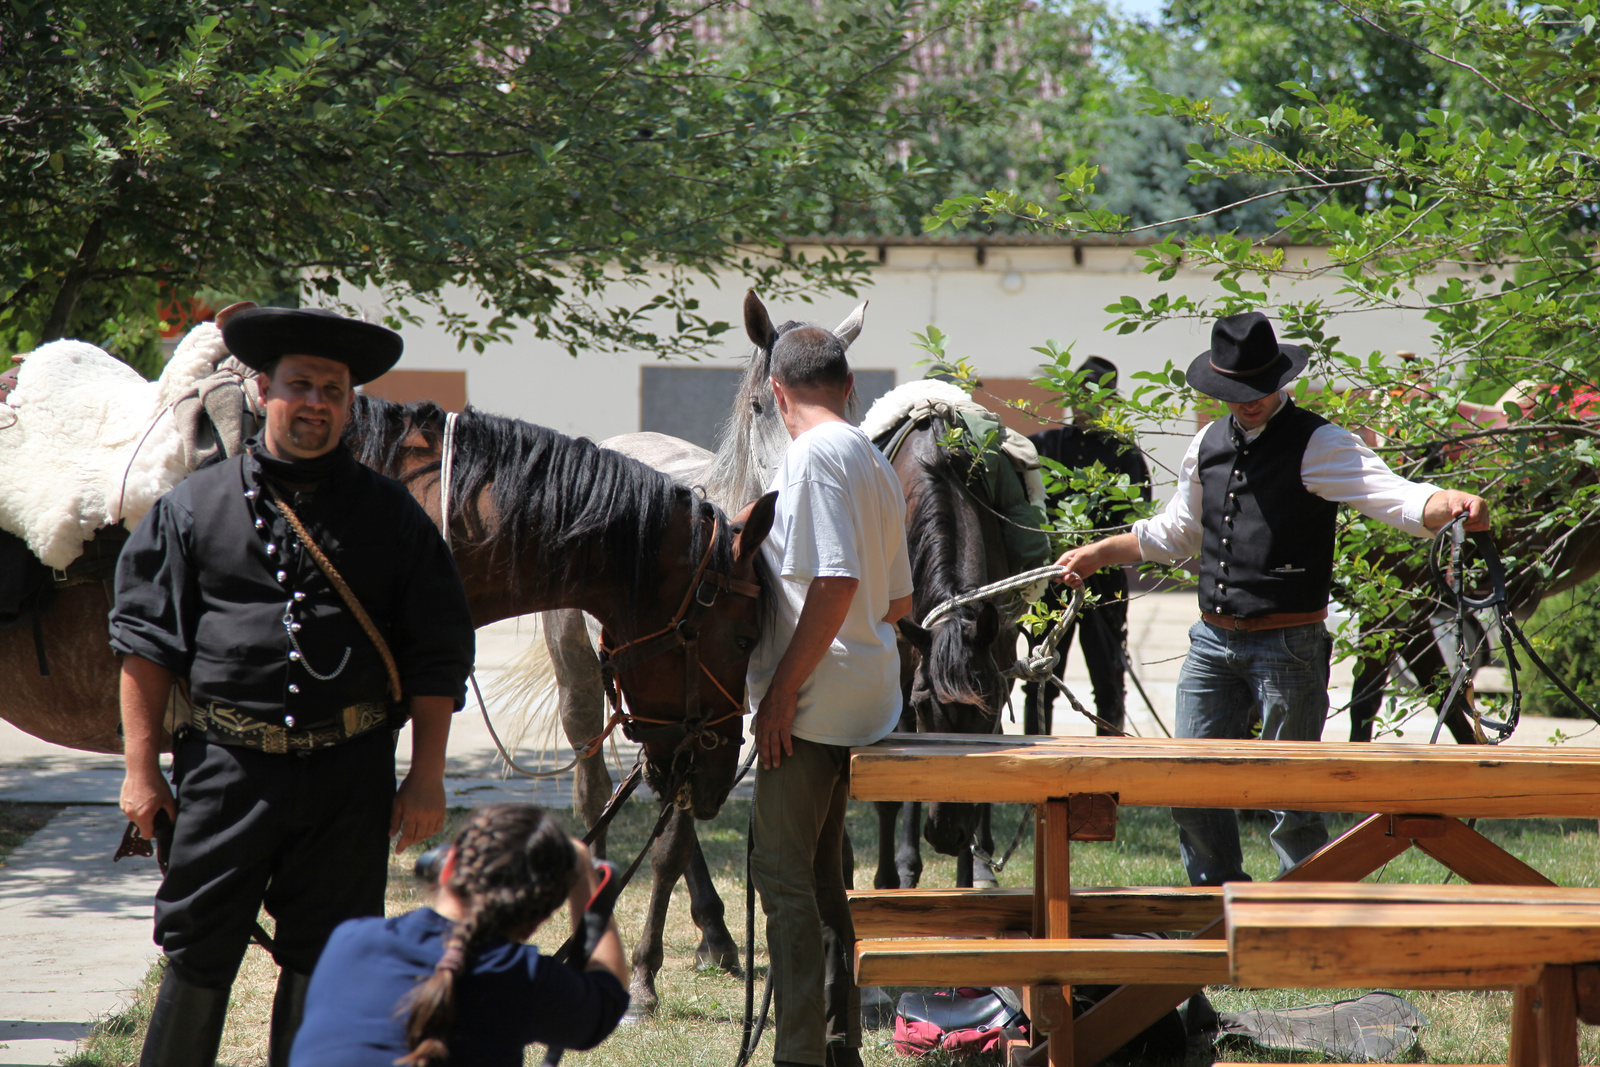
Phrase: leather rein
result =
(681, 632)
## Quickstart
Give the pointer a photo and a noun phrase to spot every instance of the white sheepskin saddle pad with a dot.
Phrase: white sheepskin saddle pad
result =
(92, 443)
(932, 397)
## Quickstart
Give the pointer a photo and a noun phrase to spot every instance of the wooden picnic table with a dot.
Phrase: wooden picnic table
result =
(1412, 795)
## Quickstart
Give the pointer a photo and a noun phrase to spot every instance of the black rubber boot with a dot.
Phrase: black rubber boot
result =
(288, 1008)
(186, 1025)
(841, 1055)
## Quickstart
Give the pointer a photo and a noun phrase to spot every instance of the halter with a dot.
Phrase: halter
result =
(682, 631)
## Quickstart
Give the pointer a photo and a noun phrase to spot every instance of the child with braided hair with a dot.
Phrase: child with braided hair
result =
(453, 984)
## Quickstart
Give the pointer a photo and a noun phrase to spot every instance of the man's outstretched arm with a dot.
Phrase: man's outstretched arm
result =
(1107, 552)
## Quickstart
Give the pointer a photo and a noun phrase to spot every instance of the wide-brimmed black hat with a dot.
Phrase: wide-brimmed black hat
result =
(258, 336)
(1245, 361)
(1098, 371)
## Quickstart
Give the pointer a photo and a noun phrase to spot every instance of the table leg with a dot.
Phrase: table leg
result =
(1129, 1010)
(1476, 858)
(1057, 865)
(1544, 1021)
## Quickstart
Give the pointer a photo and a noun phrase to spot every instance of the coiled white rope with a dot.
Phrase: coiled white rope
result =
(1005, 585)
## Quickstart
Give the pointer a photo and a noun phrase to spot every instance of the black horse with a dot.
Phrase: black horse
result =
(952, 676)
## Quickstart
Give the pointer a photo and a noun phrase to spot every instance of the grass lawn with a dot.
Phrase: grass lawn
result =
(699, 1019)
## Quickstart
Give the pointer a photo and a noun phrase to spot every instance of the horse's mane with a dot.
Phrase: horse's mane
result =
(572, 500)
(933, 534)
(752, 440)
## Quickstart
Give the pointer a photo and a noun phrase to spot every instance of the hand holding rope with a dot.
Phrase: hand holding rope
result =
(1451, 585)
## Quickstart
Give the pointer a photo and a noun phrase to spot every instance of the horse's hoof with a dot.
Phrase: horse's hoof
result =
(642, 1002)
(983, 875)
(707, 958)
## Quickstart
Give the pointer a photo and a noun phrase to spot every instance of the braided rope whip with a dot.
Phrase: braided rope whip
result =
(1004, 585)
(349, 598)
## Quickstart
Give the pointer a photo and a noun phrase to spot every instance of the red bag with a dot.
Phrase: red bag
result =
(965, 1022)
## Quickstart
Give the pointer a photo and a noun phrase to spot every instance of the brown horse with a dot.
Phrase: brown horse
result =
(538, 521)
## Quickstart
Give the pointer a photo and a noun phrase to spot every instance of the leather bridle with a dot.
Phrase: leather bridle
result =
(681, 632)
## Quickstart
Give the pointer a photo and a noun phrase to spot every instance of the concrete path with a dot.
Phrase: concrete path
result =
(75, 930)
(74, 933)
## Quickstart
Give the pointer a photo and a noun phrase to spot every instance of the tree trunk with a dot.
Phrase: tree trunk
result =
(72, 286)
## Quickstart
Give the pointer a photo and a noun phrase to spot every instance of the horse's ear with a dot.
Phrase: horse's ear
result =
(757, 323)
(228, 312)
(754, 524)
(848, 330)
(919, 639)
(987, 627)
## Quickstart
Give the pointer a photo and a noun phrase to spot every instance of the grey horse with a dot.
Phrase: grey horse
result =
(752, 443)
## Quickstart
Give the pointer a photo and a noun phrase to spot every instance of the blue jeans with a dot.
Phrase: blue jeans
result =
(1229, 679)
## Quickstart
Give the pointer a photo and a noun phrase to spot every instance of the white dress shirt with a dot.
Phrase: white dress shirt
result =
(1337, 466)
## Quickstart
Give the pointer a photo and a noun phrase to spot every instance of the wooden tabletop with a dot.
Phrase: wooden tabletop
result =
(1458, 780)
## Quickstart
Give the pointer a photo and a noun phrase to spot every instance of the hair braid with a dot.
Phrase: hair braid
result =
(514, 867)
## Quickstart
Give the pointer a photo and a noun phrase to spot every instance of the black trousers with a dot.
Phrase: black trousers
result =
(306, 834)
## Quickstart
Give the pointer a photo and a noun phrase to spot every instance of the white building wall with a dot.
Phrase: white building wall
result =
(994, 314)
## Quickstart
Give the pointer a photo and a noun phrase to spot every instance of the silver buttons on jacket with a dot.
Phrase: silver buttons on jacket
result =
(283, 576)
(299, 595)
(288, 720)
(294, 688)
(261, 524)
(294, 657)
(251, 494)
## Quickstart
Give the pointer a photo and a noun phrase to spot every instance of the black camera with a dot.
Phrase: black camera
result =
(430, 862)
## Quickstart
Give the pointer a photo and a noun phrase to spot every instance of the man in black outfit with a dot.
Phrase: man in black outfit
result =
(1103, 630)
(285, 771)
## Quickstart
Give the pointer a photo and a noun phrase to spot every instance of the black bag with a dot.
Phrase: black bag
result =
(25, 583)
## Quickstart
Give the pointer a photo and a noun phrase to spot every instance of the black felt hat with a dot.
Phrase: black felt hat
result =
(1245, 361)
(258, 336)
(1098, 371)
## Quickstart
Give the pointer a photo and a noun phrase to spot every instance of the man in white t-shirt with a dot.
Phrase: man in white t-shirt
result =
(826, 676)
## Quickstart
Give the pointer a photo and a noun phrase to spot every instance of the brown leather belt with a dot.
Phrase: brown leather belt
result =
(1265, 622)
(228, 727)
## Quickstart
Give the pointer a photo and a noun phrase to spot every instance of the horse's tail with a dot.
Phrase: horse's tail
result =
(525, 694)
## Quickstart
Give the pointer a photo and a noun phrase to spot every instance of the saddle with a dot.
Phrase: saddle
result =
(100, 444)
(1008, 480)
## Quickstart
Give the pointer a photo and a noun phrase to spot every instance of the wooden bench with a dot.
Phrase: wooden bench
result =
(1418, 796)
(888, 913)
(1541, 942)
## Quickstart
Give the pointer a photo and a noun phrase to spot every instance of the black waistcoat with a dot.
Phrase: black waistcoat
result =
(1268, 541)
(254, 582)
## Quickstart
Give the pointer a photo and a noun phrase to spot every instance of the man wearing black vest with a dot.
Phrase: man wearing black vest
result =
(1256, 499)
(285, 776)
